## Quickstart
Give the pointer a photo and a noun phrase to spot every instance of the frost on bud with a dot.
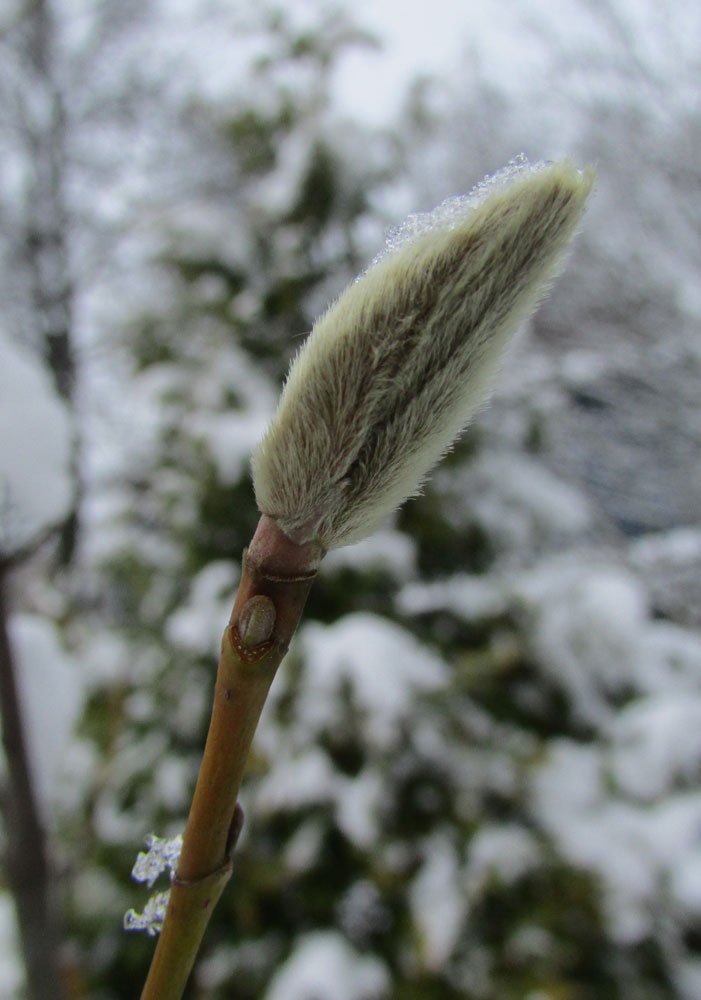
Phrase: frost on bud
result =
(395, 368)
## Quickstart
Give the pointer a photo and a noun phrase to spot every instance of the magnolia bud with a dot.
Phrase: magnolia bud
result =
(395, 368)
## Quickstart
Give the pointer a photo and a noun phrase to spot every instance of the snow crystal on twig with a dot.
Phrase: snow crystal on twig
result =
(162, 855)
(151, 920)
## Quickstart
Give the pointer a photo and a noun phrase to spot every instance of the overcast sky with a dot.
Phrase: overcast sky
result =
(437, 36)
(434, 36)
(424, 37)
(420, 36)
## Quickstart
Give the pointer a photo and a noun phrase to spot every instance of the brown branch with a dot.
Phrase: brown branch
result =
(276, 579)
(26, 861)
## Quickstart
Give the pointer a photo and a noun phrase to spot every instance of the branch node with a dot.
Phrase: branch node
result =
(256, 621)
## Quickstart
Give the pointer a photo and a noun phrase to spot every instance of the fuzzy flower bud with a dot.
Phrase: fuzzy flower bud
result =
(395, 368)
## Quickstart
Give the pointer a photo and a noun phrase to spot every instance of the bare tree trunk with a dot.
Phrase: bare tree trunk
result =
(42, 244)
(46, 247)
(28, 870)
(46, 238)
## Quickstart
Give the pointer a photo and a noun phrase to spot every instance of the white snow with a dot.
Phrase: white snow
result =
(307, 778)
(657, 745)
(358, 803)
(680, 546)
(198, 622)
(361, 910)
(685, 886)
(97, 894)
(467, 596)
(361, 664)
(173, 778)
(592, 633)
(500, 852)
(438, 901)
(11, 970)
(51, 696)
(383, 666)
(687, 975)
(302, 849)
(588, 629)
(35, 449)
(607, 839)
(626, 806)
(645, 855)
(387, 550)
(324, 966)
(673, 658)
(521, 503)
(230, 438)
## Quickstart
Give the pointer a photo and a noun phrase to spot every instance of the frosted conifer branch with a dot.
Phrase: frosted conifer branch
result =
(396, 367)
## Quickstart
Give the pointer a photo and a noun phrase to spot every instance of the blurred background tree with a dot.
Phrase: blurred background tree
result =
(510, 808)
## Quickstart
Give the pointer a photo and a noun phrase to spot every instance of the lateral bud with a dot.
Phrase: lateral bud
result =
(257, 620)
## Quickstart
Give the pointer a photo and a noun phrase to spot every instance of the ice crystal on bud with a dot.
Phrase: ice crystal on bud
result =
(452, 211)
(162, 855)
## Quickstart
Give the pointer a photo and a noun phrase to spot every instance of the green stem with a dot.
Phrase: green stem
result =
(277, 576)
